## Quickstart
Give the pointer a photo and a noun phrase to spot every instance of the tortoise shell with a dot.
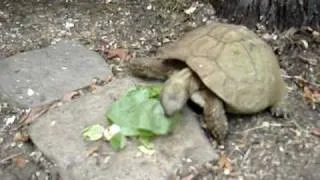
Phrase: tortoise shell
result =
(232, 62)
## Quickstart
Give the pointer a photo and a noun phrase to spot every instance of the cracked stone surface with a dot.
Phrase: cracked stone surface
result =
(42, 75)
(58, 135)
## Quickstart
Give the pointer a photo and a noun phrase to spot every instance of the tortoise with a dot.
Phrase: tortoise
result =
(224, 68)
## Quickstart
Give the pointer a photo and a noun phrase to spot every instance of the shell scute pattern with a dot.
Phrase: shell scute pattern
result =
(232, 62)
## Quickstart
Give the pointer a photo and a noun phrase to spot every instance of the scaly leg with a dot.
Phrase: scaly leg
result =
(214, 116)
(282, 108)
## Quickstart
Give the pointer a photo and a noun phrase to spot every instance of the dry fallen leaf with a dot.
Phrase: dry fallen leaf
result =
(316, 96)
(70, 95)
(108, 78)
(19, 136)
(307, 94)
(316, 132)
(190, 177)
(92, 150)
(224, 162)
(311, 97)
(116, 53)
(93, 88)
(20, 161)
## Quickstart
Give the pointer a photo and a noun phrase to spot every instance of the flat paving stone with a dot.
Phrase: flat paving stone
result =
(58, 135)
(43, 75)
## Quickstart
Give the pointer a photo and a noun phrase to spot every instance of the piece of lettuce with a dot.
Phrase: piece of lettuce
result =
(139, 113)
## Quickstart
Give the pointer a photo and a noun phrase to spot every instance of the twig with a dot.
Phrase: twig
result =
(310, 61)
(246, 155)
(299, 78)
(297, 125)
(267, 125)
(9, 158)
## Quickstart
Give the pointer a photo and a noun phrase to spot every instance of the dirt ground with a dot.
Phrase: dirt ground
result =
(258, 146)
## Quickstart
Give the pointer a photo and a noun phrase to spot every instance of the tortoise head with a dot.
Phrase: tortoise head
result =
(173, 97)
(176, 91)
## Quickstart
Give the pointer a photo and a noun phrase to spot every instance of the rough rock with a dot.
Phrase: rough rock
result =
(58, 135)
(7, 176)
(42, 75)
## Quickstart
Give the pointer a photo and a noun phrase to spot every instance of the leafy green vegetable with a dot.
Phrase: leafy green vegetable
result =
(154, 91)
(139, 113)
(93, 132)
(146, 150)
(118, 141)
(109, 132)
(128, 131)
(146, 141)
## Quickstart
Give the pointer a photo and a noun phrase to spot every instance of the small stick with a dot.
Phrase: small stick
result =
(310, 61)
(9, 157)
(299, 78)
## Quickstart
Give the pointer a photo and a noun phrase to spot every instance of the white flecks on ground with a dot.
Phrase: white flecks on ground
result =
(30, 92)
(9, 121)
(191, 9)
(149, 7)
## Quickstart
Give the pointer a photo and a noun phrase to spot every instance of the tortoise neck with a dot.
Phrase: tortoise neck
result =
(151, 67)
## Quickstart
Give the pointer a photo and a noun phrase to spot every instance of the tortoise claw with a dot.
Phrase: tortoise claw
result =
(281, 109)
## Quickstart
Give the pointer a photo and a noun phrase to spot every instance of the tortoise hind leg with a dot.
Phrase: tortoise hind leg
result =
(281, 109)
(215, 116)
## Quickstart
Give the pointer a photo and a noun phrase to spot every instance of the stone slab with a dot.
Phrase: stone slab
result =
(49, 72)
(58, 136)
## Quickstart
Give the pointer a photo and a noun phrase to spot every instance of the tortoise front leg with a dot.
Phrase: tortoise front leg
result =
(215, 117)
